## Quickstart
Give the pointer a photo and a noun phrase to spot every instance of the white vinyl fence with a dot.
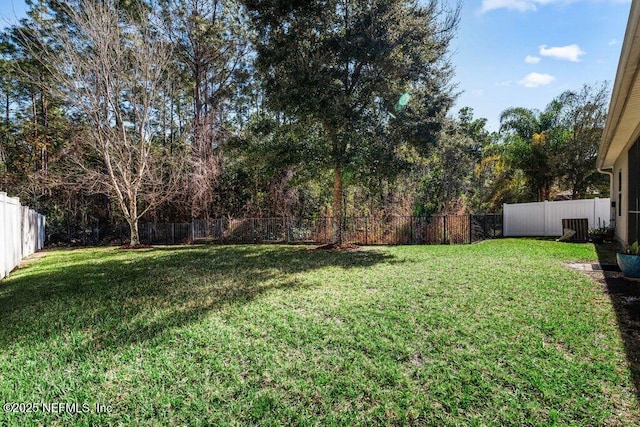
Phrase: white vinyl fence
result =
(21, 233)
(545, 218)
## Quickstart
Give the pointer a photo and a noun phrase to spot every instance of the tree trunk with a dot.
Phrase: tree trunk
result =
(337, 204)
(547, 191)
(6, 111)
(135, 236)
(133, 218)
(337, 183)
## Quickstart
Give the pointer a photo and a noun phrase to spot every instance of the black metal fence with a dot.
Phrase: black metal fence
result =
(392, 230)
(487, 226)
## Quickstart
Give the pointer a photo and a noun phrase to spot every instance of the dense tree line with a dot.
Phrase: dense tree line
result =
(121, 111)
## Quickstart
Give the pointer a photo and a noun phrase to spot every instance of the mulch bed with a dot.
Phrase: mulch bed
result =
(339, 247)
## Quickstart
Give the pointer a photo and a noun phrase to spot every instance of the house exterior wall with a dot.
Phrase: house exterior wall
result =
(622, 130)
(633, 193)
(619, 190)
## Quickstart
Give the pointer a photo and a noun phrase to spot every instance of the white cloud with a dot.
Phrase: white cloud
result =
(531, 59)
(528, 5)
(536, 79)
(505, 83)
(613, 42)
(571, 52)
(477, 92)
(519, 5)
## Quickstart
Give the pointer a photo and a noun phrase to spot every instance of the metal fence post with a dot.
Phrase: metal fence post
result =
(444, 229)
(366, 230)
(411, 230)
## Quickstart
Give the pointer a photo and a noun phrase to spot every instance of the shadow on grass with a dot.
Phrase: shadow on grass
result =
(107, 299)
(625, 297)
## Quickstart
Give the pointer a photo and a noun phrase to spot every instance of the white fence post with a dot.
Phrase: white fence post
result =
(4, 248)
(545, 214)
(21, 233)
(505, 225)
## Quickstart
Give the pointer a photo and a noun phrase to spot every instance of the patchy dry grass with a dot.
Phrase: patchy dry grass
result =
(498, 333)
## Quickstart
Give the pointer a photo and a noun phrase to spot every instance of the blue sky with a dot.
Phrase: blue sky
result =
(523, 53)
(517, 53)
(11, 11)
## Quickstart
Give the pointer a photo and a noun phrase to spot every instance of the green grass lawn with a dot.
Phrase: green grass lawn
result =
(496, 333)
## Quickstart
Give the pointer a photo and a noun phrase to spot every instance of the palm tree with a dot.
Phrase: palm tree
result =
(533, 144)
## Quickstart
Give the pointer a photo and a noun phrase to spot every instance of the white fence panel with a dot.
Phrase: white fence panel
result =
(545, 218)
(22, 232)
(524, 219)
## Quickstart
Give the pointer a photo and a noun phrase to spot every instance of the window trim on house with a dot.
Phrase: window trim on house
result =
(620, 192)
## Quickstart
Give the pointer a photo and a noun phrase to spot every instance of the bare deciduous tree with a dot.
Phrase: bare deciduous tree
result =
(111, 68)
